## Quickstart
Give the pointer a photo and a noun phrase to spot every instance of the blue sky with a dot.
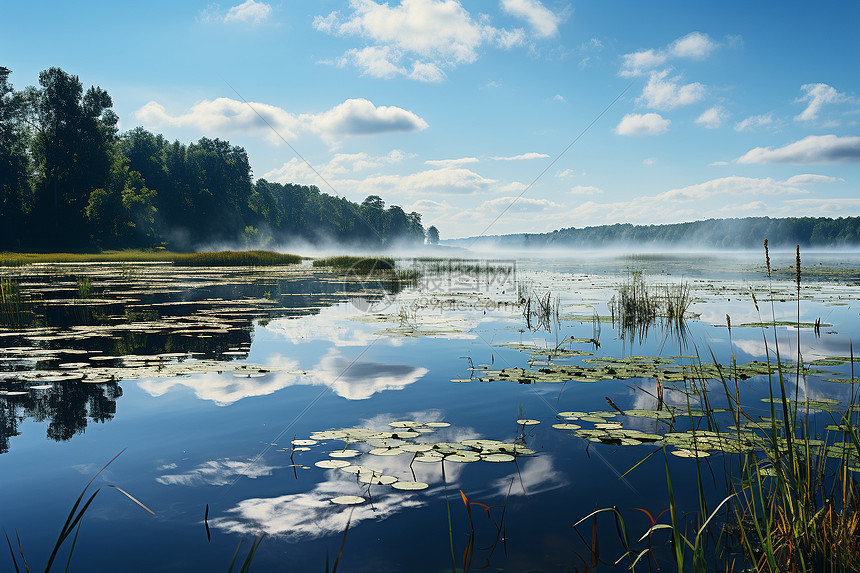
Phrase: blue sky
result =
(453, 108)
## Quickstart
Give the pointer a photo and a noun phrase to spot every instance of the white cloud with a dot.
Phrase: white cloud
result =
(811, 179)
(451, 162)
(565, 173)
(542, 20)
(354, 117)
(811, 149)
(642, 124)
(649, 161)
(446, 180)
(429, 206)
(754, 121)
(415, 39)
(638, 63)
(712, 117)
(362, 117)
(817, 96)
(222, 389)
(746, 195)
(295, 170)
(517, 205)
(735, 185)
(538, 475)
(662, 93)
(558, 97)
(420, 39)
(586, 190)
(249, 11)
(524, 156)
(224, 116)
(216, 472)
(824, 207)
(694, 46)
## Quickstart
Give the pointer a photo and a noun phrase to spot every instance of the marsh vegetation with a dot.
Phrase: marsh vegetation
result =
(515, 418)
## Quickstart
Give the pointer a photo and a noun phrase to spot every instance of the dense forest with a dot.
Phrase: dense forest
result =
(70, 181)
(744, 233)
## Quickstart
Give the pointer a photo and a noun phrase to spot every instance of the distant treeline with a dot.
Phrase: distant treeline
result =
(745, 233)
(69, 180)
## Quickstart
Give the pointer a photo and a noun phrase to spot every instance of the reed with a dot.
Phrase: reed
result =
(792, 505)
(12, 308)
(360, 265)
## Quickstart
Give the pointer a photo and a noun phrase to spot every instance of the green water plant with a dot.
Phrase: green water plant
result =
(72, 524)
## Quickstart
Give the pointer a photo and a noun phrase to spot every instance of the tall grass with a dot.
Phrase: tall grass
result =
(12, 309)
(361, 265)
(792, 503)
(637, 306)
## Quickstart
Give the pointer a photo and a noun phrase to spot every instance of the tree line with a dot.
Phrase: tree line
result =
(740, 233)
(70, 181)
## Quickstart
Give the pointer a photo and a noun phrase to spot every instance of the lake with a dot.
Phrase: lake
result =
(522, 387)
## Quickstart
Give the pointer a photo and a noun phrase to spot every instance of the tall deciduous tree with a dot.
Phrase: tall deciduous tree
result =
(15, 191)
(73, 153)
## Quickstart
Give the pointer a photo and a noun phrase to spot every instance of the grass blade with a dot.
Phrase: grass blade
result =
(11, 552)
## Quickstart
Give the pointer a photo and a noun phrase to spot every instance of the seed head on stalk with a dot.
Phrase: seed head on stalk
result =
(767, 257)
(797, 268)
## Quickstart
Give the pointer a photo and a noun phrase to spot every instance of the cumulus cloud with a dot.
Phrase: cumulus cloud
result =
(420, 39)
(542, 20)
(362, 117)
(816, 97)
(586, 190)
(663, 92)
(694, 46)
(249, 12)
(354, 117)
(754, 121)
(559, 98)
(811, 149)
(642, 124)
(224, 116)
(524, 156)
(712, 117)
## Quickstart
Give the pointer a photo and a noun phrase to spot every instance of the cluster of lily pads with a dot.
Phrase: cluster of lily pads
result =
(408, 438)
(750, 436)
(606, 368)
(93, 367)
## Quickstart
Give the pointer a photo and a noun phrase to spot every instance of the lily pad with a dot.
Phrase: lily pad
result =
(410, 485)
(332, 464)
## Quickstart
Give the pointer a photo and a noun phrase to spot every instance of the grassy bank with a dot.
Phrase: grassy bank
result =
(215, 259)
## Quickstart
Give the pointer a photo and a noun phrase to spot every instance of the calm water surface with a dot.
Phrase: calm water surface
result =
(330, 352)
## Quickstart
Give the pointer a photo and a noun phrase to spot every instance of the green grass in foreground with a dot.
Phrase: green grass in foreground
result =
(357, 264)
(219, 258)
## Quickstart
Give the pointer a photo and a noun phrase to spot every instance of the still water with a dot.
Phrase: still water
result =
(208, 381)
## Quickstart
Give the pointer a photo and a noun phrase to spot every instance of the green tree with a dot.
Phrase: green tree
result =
(15, 190)
(73, 146)
(433, 235)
